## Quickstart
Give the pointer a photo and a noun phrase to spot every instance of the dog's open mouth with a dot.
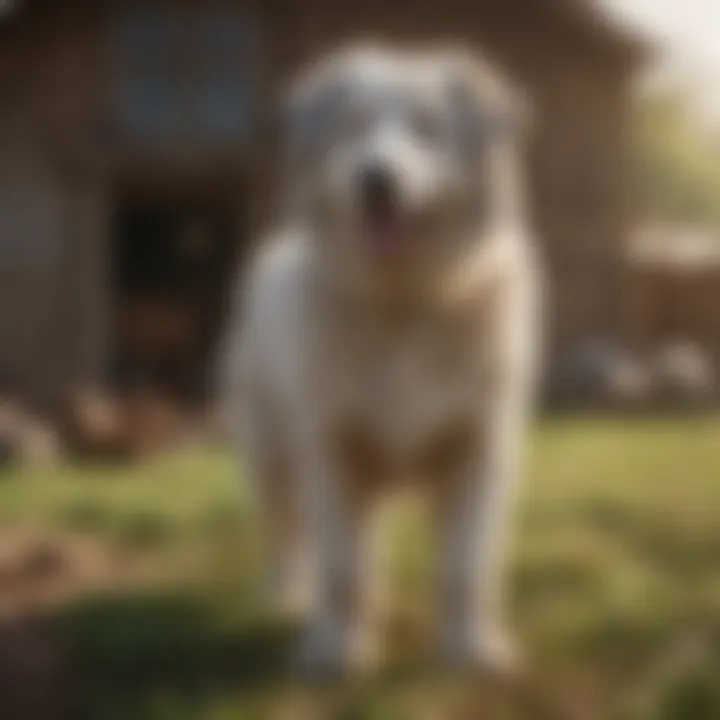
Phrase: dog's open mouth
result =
(385, 231)
(385, 226)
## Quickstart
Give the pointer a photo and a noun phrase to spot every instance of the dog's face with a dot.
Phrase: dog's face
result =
(394, 156)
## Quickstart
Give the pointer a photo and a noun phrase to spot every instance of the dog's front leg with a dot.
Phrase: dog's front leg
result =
(475, 517)
(334, 522)
(480, 495)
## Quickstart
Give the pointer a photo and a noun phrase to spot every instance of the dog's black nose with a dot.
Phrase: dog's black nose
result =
(377, 187)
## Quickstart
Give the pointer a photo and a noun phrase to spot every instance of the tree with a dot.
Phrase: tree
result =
(677, 160)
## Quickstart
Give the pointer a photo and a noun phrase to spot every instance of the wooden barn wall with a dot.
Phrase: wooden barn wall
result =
(51, 230)
(666, 305)
(61, 160)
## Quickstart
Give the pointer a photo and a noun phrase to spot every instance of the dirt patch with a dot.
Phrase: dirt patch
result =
(37, 570)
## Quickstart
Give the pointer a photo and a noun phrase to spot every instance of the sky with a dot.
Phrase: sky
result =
(690, 33)
(690, 27)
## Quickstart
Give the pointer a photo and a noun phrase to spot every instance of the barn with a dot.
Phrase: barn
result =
(137, 149)
(673, 293)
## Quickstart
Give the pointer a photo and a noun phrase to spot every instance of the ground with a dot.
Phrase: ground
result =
(130, 592)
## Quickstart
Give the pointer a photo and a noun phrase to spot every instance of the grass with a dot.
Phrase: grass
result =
(616, 586)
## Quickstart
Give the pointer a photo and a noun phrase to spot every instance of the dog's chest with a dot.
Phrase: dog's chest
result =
(397, 389)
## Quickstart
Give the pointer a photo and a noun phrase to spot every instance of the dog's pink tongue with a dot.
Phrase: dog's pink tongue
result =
(385, 233)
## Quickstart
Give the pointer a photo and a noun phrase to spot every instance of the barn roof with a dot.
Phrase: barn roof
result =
(600, 24)
(591, 20)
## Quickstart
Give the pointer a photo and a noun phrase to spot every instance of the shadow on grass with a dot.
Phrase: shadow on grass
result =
(125, 653)
(178, 656)
(174, 656)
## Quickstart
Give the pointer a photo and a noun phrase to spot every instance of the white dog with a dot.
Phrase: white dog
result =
(389, 330)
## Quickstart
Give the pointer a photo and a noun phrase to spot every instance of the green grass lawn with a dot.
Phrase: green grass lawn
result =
(616, 587)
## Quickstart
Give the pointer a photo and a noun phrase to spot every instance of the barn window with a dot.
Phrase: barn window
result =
(150, 81)
(224, 83)
(185, 74)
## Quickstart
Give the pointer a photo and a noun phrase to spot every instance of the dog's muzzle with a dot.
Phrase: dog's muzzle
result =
(384, 222)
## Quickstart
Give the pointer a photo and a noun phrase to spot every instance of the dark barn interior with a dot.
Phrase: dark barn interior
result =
(173, 262)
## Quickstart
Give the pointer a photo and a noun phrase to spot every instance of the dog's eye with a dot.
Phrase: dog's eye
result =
(355, 121)
(427, 125)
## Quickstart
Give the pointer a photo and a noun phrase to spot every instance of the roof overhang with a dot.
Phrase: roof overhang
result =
(596, 21)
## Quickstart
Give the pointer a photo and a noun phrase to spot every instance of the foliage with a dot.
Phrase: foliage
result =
(677, 160)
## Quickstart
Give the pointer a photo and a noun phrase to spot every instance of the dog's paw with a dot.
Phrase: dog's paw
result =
(497, 651)
(321, 654)
(490, 650)
(324, 652)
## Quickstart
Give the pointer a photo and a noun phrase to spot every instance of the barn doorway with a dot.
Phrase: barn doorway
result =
(173, 266)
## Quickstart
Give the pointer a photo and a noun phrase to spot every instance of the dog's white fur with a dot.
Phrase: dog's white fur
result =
(340, 378)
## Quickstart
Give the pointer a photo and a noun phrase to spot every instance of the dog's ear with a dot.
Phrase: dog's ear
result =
(488, 105)
(493, 119)
(311, 105)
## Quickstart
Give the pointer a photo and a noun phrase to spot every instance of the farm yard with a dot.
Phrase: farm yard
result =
(139, 162)
(129, 592)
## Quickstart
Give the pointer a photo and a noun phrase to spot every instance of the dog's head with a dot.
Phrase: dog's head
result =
(400, 158)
